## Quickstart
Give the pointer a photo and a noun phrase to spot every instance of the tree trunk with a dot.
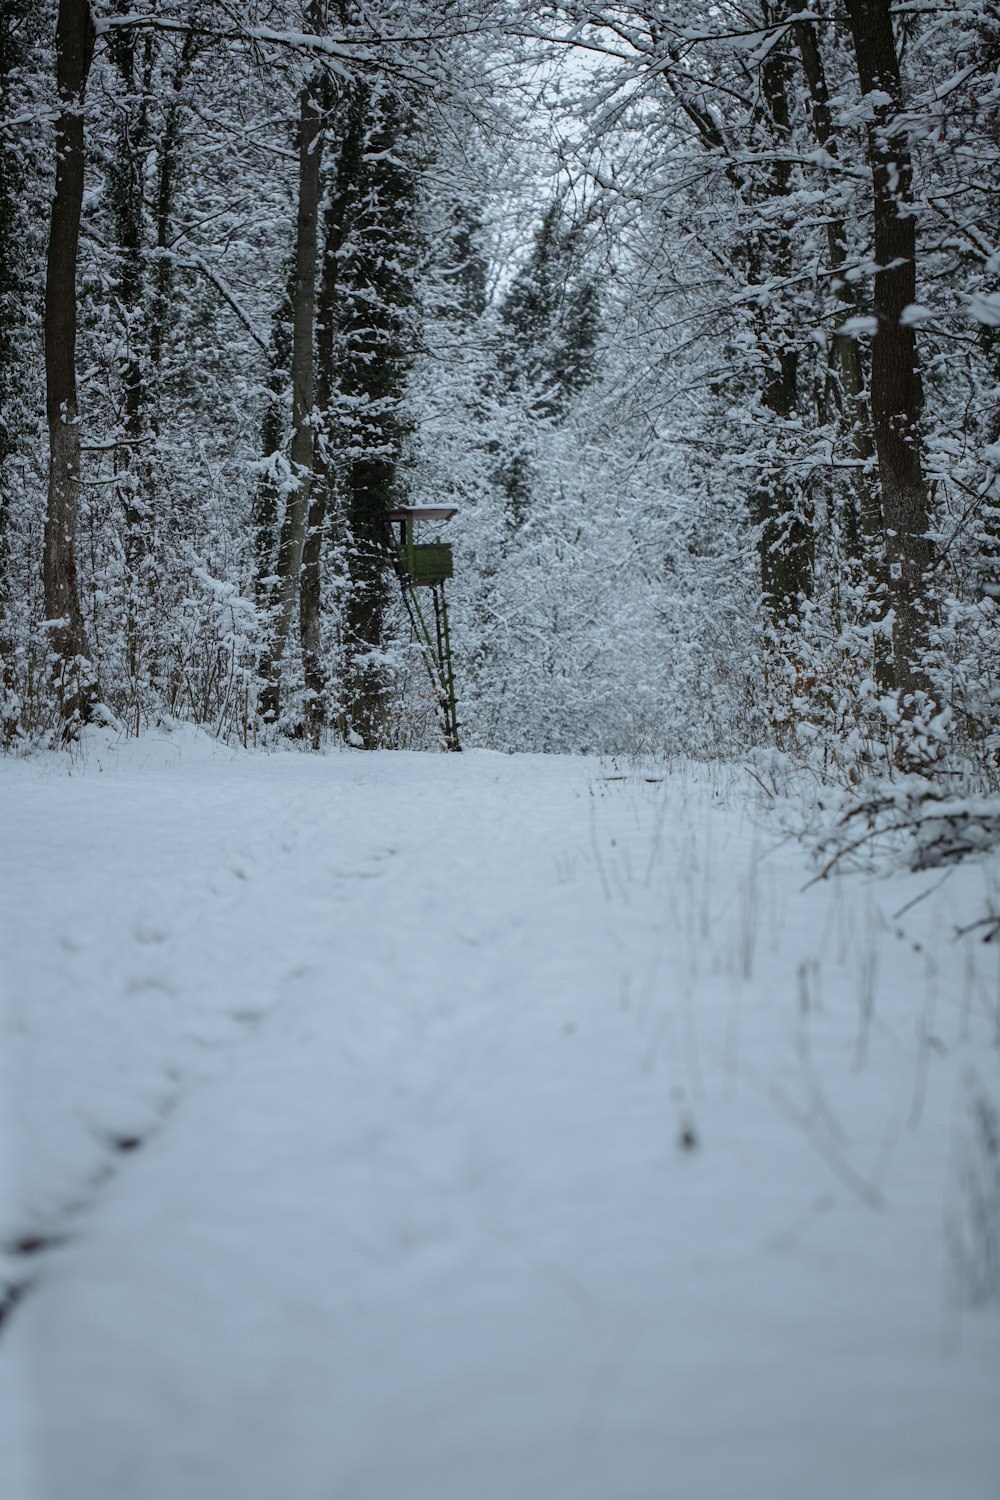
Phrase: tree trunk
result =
(336, 225)
(267, 502)
(377, 343)
(166, 182)
(865, 532)
(372, 491)
(785, 525)
(847, 349)
(895, 383)
(74, 53)
(293, 531)
(132, 470)
(786, 538)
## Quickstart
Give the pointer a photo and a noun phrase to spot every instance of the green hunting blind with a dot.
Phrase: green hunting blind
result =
(428, 565)
(430, 562)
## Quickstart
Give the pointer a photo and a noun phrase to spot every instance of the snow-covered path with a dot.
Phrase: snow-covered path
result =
(481, 1128)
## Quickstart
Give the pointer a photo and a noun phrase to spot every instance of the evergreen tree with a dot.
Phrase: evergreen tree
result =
(551, 318)
(461, 264)
(549, 323)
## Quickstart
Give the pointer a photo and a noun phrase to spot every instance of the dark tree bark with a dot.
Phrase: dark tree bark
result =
(848, 351)
(376, 343)
(787, 541)
(74, 53)
(865, 534)
(371, 493)
(895, 381)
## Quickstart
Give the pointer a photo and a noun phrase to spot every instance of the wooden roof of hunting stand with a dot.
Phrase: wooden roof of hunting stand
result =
(423, 513)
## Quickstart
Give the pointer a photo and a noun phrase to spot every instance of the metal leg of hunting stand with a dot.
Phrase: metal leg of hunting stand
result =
(437, 661)
(445, 667)
(449, 674)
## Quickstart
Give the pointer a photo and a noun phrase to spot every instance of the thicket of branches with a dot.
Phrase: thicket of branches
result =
(694, 315)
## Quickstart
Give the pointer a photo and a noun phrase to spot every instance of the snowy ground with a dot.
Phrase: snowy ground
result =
(414, 1127)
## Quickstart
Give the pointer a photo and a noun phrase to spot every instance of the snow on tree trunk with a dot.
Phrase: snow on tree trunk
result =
(895, 381)
(293, 531)
(336, 223)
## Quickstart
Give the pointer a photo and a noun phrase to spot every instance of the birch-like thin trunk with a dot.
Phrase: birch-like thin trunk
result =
(167, 171)
(293, 531)
(133, 471)
(75, 679)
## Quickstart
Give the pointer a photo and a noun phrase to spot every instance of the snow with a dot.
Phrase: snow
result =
(494, 1127)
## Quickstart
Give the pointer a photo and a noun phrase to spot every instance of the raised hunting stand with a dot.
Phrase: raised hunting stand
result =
(428, 565)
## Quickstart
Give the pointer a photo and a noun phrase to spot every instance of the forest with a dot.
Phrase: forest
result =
(691, 312)
(608, 390)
